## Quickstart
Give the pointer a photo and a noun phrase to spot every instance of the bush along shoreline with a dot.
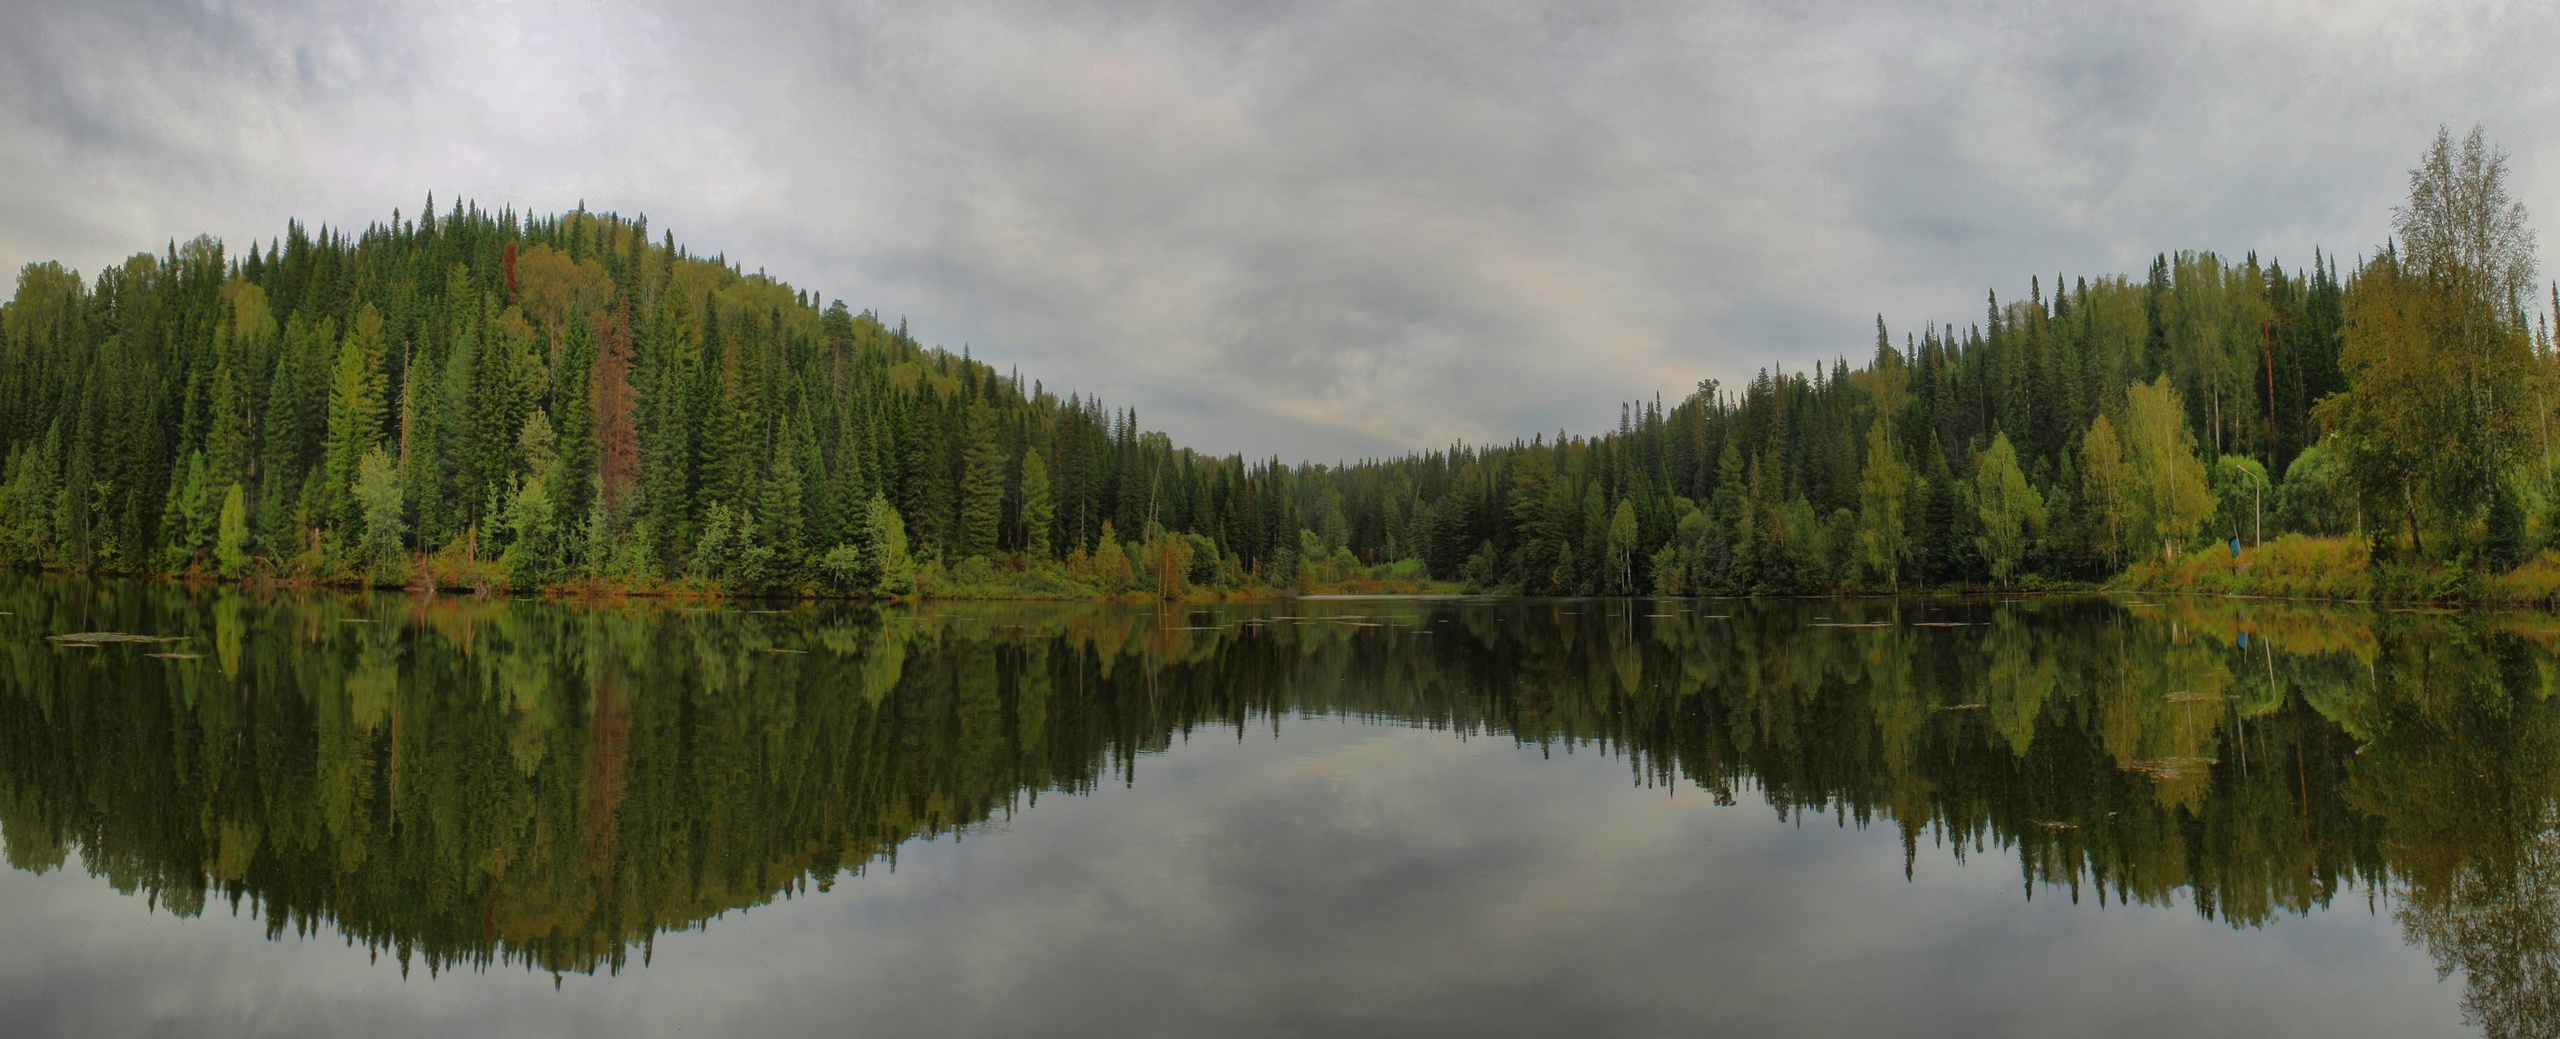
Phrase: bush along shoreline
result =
(2344, 569)
(2291, 567)
(1162, 568)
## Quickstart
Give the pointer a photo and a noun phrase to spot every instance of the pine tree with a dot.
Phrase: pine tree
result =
(293, 414)
(1039, 512)
(1728, 523)
(355, 412)
(1944, 538)
(573, 472)
(926, 481)
(2502, 547)
(780, 507)
(666, 434)
(227, 447)
(981, 484)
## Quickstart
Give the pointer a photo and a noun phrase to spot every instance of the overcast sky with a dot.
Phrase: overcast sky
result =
(1316, 230)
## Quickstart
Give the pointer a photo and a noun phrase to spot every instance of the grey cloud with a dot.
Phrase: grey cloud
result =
(1313, 230)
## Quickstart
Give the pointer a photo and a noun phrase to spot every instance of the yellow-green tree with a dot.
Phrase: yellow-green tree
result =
(2213, 327)
(382, 502)
(2441, 378)
(892, 569)
(2103, 499)
(2167, 496)
(1622, 548)
(2009, 506)
(356, 389)
(1110, 567)
(231, 543)
(1884, 496)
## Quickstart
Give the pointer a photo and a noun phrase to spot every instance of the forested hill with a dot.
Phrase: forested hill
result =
(482, 399)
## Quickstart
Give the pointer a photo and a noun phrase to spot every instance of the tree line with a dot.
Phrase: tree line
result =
(487, 398)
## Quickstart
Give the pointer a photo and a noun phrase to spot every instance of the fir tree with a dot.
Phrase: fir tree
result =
(1039, 513)
(981, 484)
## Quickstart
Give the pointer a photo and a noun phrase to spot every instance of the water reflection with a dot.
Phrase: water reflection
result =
(467, 782)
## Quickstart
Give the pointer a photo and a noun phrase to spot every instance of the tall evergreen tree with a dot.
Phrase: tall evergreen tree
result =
(1039, 512)
(981, 483)
(355, 410)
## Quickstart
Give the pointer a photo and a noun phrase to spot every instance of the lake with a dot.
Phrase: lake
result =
(298, 813)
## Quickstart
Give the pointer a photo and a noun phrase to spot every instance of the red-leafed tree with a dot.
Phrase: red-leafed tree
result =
(617, 434)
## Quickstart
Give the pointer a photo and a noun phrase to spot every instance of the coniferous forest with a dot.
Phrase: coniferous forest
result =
(492, 399)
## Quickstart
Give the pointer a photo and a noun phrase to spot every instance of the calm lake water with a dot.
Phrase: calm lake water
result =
(332, 814)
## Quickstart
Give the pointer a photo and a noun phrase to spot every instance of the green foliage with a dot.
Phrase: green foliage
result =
(981, 484)
(1884, 496)
(531, 554)
(383, 503)
(729, 553)
(1621, 550)
(2010, 509)
(2444, 384)
(891, 570)
(848, 569)
(1110, 570)
(2167, 495)
(1039, 509)
(594, 746)
(2106, 500)
(355, 408)
(27, 502)
(2315, 498)
(231, 539)
(2241, 497)
(2502, 544)
(621, 412)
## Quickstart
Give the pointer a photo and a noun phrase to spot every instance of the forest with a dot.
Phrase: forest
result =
(488, 399)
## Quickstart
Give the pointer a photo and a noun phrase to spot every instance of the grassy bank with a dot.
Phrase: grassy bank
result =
(2341, 568)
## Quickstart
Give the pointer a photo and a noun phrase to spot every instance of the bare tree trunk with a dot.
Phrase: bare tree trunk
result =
(2409, 507)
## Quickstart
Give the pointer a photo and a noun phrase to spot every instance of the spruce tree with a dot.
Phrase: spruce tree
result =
(355, 412)
(780, 507)
(1943, 541)
(2503, 545)
(926, 479)
(981, 483)
(1039, 512)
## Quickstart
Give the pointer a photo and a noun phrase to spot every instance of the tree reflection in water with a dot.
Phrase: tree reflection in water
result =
(461, 782)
